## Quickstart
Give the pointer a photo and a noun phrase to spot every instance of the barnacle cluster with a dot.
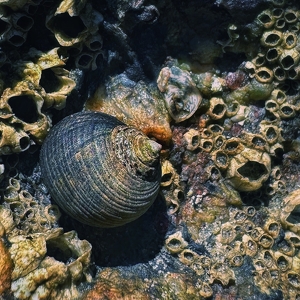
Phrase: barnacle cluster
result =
(247, 233)
(75, 27)
(230, 224)
(23, 123)
(47, 262)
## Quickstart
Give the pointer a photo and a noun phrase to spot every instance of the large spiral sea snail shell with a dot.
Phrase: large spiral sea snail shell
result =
(100, 171)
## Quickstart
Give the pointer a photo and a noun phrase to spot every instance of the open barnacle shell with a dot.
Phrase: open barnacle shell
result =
(289, 216)
(23, 106)
(73, 22)
(248, 170)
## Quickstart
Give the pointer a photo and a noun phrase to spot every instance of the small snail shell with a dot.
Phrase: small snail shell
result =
(100, 171)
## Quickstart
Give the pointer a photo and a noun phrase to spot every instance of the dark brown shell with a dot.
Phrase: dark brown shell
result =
(100, 171)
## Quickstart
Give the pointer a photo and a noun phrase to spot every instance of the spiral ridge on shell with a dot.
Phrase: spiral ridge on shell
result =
(100, 171)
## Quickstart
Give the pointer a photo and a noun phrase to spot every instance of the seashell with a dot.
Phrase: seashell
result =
(135, 104)
(181, 95)
(100, 171)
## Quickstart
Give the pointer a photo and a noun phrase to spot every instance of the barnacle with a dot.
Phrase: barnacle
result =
(249, 169)
(82, 21)
(182, 97)
(175, 243)
(289, 215)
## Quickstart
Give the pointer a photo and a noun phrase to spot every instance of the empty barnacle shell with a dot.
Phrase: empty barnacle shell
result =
(181, 95)
(286, 247)
(192, 138)
(266, 19)
(16, 37)
(289, 40)
(188, 256)
(100, 171)
(175, 243)
(168, 174)
(250, 245)
(73, 22)
(233, 146)
(271, 133)
(273, 54)
(271, 105)
(258, 61)
(286, 111)
(220, 159)
(279, 73)
(217, 108)
(220, 272)
(283, 262)
(206, 144)
(94, 42)
(219, 141)
(256, 141)
(55, 94)
(235, 258)
(291, 16)
(264, 75)
(21, 21)
(289, 59)
(272, 227)
(12, 140)
(248, 170)
(232, 109)
(271, 38)
(289, 216)
(292, 238)
(227, 234)
(266, 241)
